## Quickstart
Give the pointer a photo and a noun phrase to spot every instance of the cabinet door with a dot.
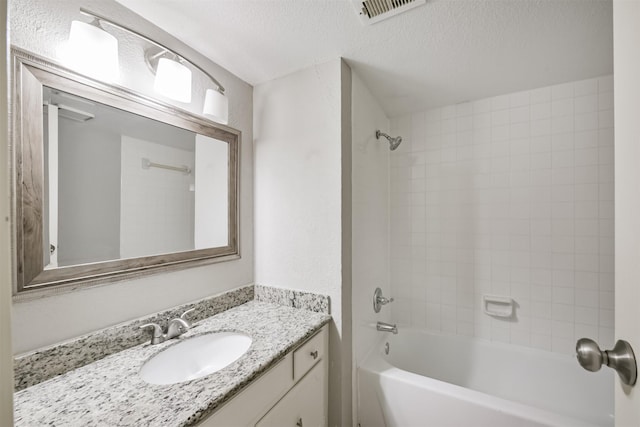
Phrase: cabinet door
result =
(303, 406)
(251, 404)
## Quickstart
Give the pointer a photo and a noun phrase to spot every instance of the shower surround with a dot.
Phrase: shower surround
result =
(512, 196)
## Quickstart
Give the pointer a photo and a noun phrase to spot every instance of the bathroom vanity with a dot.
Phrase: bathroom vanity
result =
(280, 380)
(292, 393)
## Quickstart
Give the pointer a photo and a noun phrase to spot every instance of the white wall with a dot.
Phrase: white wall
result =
(298, 208)
(156, 205)
(511, 195)
(370, 222)
(6, 358)
(211, 218)
(88, 193)
(626, 15)
(40, 27)
(370, 182)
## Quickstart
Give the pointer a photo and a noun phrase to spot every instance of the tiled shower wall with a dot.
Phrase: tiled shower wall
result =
(510, 196)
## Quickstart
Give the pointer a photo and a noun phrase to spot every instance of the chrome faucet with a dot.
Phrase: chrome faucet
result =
(386, 327)
(175, 328)
(379, 300)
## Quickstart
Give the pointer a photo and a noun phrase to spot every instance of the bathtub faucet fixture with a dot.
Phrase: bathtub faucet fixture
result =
(386, 327)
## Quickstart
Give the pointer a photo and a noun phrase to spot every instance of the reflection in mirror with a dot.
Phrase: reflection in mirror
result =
(119, 185)
(112, 185)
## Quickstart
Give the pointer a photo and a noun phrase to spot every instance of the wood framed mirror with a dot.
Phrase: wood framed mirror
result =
(110, 185)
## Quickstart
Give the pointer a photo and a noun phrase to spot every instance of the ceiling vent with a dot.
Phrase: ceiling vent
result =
(372, 11)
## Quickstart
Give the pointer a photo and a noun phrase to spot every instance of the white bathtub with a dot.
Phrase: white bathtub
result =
(440, 380)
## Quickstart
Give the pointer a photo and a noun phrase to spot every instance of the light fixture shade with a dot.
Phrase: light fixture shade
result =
(216, 106)
(173, 80)
(91, 51)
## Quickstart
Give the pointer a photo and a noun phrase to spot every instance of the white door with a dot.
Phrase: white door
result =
(626, 32)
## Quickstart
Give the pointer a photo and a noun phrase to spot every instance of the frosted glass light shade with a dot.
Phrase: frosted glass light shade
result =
(216, 106)
(91, 51)
(173, 80)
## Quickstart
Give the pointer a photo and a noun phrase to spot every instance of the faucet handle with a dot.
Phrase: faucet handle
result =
(157, 336)
(379, 300)
(183, 316)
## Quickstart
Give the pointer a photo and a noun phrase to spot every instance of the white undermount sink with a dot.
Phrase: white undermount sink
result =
(195, 357)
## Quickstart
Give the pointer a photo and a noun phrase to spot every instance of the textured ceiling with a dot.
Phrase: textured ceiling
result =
(444, 52)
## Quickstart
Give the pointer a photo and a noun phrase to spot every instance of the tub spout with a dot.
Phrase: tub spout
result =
(386, 327)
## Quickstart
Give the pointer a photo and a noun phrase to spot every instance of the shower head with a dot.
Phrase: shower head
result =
(393, 142)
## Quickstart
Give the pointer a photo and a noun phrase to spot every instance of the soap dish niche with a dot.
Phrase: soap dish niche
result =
(498, 306)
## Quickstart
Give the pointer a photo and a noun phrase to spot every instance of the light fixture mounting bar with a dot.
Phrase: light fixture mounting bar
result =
(147, 39)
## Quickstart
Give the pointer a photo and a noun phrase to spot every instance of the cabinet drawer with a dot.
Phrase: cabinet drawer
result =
(309, 354)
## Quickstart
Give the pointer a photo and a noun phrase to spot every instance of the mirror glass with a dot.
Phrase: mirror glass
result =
(111, 185)
(120, 185)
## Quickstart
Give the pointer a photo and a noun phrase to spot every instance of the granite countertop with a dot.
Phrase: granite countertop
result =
(110, 391)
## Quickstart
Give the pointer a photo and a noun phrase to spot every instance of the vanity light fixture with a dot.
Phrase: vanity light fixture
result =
(173, 80)
(216, 106)
(173, 77)
(91, 50)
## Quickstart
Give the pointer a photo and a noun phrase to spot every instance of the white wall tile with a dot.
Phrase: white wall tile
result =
(500, 102)
(586, 139)
(587, 280)
(586, 315)
(587, 121)
(564, 124)
(563, 141)
(605, 84)
(585, 331)
(519, 99)
(562, 328)
(481, 106)
(587, 104)
(587, 298)
(606, 281)
(561, 91)
(561, 295)
(585, 87)
(542, 342)
(540, 95)
(586, 156)
(508, 195)
(464, 109)
(540, 127)
(540, 111)
(606, 300)
(519, 114)
(605, 118)
(562, 107)
(605, 101)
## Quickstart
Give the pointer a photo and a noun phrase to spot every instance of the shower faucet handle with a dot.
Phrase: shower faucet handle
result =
(384, 300)
(379, 300)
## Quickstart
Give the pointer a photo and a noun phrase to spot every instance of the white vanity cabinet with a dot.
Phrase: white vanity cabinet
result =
(292, 393)
(302, 406)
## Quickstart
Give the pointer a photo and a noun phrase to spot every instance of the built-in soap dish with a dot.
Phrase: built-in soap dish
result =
(498, 306)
